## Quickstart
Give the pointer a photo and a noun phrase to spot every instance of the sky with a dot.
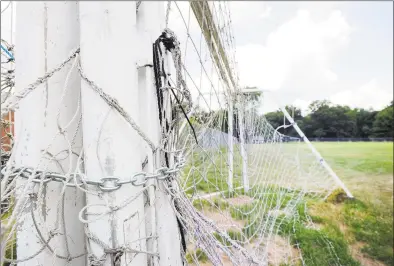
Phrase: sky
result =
(299, 52)
(305, 51)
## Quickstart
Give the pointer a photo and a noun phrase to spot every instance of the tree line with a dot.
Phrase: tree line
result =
(325, 120)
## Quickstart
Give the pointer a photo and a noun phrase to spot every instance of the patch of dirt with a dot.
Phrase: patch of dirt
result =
(240, 200)
(343, 227)
(355, 250)
(225, 260)
(223, 220)
(279, 250)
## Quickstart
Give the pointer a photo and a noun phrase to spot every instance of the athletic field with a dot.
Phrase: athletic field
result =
(367, 223)
(365, 167)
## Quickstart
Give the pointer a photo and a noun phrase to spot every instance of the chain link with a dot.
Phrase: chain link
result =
(106, 184)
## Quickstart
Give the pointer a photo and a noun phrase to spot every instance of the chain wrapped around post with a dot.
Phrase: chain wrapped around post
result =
(106, 184)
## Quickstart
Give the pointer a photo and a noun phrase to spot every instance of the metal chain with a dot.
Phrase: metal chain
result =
(106, 184)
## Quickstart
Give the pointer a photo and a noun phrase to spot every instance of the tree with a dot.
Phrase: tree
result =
(364, 122)
(383, 124)
(324, 120)
(330, 121)
(275, 119)
(315, 105)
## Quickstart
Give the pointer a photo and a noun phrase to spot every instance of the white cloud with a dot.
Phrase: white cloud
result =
(245, 11)
(266, 12)
(369, 95)
(302, 104)
(299, 45)
(320, 9)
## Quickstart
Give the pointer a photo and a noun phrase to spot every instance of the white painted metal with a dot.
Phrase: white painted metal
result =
(161, 219)
(109, 48)
(46, 34)
(230, 144)
(244, 155)
(251, 90)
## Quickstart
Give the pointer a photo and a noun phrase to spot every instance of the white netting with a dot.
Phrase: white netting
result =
(237, 200)
(283, 174)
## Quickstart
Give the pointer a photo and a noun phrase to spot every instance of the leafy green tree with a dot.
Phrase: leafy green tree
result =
(315, 105)
(331, 121)
(324, 120)
(364, 122)
(383, 124)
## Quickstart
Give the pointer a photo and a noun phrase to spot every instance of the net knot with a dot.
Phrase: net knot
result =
(168, 39)
(94, 261)
(114, 208)
(117, 254)
(52, 233)
(33, 196)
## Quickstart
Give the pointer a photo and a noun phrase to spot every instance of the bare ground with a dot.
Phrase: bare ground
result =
(279, 249)
(355, 250)
(240, 200)
(224, 220)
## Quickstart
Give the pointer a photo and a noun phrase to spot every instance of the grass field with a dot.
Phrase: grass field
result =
(366, 222)
(360, 230)
(365, 167)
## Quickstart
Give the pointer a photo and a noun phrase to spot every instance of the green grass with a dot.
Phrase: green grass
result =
(314, 244)
(370, 226)
(234, 235)
(360, 222)
(366, 169)
(243, 211)
(204, 174)
(199, 254)
(217, 203)
(366, 157)
(10, 251)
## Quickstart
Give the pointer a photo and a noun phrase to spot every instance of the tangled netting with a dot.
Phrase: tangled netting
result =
(234, 189)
